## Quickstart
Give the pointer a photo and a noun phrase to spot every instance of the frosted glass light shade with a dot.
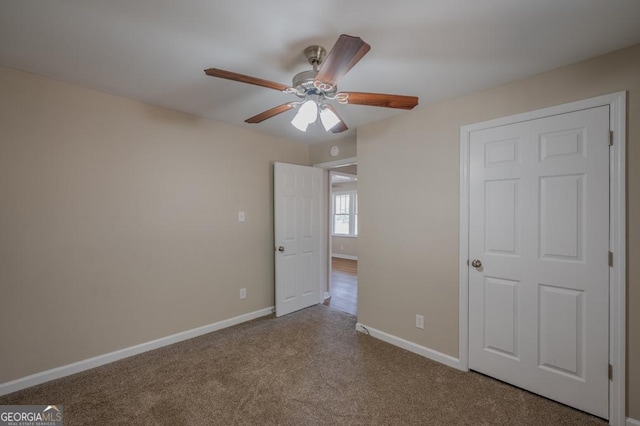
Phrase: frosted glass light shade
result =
(307, 114)
(328, 118)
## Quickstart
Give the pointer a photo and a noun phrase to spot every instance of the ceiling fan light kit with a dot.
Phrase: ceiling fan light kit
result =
(319, 85)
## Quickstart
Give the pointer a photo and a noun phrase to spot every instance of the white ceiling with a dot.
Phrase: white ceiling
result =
(155, 51)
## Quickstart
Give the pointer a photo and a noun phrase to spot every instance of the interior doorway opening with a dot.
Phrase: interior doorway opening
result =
(342, 238)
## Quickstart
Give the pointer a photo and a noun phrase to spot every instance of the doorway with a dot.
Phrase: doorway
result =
(343, 239)
(341, 234)
(542, 207)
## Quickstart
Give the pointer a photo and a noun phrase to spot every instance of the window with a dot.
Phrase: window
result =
(345, 213)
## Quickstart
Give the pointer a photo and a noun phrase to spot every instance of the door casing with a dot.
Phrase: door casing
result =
(617, 232)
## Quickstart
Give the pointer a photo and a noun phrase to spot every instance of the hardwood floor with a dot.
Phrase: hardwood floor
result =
(344, 285)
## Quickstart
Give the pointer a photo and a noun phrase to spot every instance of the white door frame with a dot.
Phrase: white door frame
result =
(617, 238)
(326, 230)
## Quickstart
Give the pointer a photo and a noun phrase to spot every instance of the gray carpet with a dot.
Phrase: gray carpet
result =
(307, 368)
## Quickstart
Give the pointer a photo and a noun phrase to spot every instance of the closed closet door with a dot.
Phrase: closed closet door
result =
(538, 250)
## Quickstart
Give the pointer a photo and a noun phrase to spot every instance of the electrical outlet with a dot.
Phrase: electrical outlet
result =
(241, 217)
(420, 321)
(243, 293)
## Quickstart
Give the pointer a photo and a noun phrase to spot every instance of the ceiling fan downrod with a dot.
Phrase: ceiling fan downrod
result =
(315, 55)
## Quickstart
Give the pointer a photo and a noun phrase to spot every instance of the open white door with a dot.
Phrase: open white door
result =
(538, 250)
(298, 213)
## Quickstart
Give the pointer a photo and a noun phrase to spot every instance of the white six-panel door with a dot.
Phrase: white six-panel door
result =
(297, 205)
(539, 231)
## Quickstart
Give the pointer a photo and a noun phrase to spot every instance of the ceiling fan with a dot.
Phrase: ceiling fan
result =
(319, 85)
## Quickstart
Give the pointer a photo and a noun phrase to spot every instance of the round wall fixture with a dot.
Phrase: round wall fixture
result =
(334, 151)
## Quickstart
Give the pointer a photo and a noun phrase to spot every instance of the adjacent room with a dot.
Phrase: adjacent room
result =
(418, 213)
(343, 211)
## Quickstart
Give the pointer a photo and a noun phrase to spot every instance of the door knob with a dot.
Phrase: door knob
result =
(280, 248)
(476, 263)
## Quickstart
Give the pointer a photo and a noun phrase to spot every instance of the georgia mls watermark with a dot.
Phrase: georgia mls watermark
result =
(31, 415)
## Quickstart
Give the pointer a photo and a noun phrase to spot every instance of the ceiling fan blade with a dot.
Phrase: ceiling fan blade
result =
(377, 99)
(340, 126)
(347, 51)
(270, 113)
(215, 72)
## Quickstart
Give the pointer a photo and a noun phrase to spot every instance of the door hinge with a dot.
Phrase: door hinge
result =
(610, 372)
(610, 137)
(610, 259)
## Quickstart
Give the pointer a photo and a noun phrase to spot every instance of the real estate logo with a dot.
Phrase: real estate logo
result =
(31, 415)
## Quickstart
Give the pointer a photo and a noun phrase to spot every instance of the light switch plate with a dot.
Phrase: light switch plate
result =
(420, 321)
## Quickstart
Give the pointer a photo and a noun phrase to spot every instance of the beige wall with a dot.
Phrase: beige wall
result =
(412, 267)
(118, 222)
(351, 169)
(320, 152)
(345, 246)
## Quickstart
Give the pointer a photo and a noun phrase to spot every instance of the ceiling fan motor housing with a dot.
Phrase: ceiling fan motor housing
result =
(304, 82)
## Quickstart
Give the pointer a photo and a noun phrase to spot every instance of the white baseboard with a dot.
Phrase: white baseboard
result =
(344, 256)
(411, 347)
(632, 422)
(76, 367)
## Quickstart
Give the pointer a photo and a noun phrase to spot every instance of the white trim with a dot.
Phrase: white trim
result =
(617, 315)
(632, 422)
(337, 163)
(326, 231)
(352, 178)
(87, 364)
(344, 256)
(618, 242)
(410, 346)
(326, 295)
(324, 235)
(463, 267)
